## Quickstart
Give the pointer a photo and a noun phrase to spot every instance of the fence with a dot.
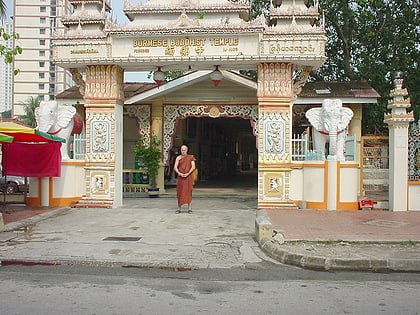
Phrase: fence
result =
(79, 146)
(299, 147)
(374, 165)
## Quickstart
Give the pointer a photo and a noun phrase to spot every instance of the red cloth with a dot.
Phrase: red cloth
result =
(32, 159)
(185, 185)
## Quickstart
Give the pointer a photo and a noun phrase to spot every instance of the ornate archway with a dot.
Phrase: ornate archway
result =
(172, 113)
(180, 35)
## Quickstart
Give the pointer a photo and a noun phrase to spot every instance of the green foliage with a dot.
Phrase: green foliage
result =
(169, 75)
(150, 155)
(7, 114)
(29, 108)
(370, 40)
(8, 54)
(200, 14)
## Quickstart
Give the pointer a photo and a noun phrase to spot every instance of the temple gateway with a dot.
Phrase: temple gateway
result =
(213, 39)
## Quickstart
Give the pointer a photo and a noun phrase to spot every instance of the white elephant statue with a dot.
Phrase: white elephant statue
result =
(330, 123)
(57, 120)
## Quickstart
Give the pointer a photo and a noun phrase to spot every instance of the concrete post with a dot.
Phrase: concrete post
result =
(332, 185)
(398, 121)
(45, 191)
(157, 124)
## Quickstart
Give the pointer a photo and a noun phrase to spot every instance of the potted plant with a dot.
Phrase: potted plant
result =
(150, 155)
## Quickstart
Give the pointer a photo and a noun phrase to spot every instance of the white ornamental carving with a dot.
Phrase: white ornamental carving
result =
(174, 112)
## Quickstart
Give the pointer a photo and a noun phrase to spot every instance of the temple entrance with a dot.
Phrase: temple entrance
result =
(226, 152)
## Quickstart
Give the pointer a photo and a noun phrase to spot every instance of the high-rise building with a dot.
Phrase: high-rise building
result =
(36, 21)
(6, 73)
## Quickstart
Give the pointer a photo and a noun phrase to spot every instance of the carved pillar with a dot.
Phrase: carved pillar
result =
(275, 97)
(398, 121)
(157, 129)
(104, 99)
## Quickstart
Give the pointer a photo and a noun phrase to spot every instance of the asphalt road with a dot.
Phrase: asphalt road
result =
(265, 288)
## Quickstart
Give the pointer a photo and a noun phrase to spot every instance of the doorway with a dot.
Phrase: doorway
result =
(225, 149)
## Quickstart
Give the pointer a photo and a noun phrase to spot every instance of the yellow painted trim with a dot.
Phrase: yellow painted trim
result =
(51, 189)
(33, 201)
(63, 202)
(314, 165)
(338, 188)
(73, 162)
(352, 165)
(325, 184)
(413, 182)
(351, 205)
(318, 205)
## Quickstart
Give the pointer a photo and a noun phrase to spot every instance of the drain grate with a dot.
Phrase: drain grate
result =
(122, 238)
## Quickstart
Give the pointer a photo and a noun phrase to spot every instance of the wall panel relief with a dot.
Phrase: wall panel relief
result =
(174, 112)
(100, 143)
(274, 184)
(274, 130)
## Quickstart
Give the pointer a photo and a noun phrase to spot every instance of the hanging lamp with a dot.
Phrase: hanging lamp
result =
(158, 77)
(216, 76)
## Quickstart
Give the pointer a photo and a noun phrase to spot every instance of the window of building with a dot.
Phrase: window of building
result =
(42, 20)
(42, 64)
(42, 31)
(42, 42)
(42, 9)
(42, 53)
(41, 75)
(41, 86)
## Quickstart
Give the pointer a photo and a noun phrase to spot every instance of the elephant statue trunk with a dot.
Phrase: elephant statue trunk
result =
(57, 120)
(330, 124)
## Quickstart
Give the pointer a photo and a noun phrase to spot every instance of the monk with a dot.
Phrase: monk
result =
(184, 167)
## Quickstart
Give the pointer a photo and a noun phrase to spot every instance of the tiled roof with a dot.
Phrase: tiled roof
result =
(130, 89)
(324, 89)
(354, 89)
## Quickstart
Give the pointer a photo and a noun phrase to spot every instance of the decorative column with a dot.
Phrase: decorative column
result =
(275, 99)
(398, 122)
(157, 129)
(104, 97)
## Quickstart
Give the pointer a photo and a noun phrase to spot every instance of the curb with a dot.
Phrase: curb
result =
(273, 249)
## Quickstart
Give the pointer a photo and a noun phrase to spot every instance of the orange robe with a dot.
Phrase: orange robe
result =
(185, 185)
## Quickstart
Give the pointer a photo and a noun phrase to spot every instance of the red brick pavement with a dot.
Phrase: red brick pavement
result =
(346, 225)
(13, 213)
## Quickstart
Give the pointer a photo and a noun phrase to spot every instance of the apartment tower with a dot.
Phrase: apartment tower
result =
(36, 21)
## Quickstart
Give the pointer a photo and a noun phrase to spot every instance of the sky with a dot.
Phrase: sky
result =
(117, 12)
(117, 7)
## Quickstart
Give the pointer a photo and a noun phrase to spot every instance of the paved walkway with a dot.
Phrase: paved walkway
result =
(221, 233)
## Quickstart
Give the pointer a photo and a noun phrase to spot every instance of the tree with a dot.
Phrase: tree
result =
(29, 108)
(6, 52)
(150, 155)
(370, 40)
(7, 114)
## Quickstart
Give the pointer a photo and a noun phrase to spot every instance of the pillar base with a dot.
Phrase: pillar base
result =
(279, 205)
(93, 203)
